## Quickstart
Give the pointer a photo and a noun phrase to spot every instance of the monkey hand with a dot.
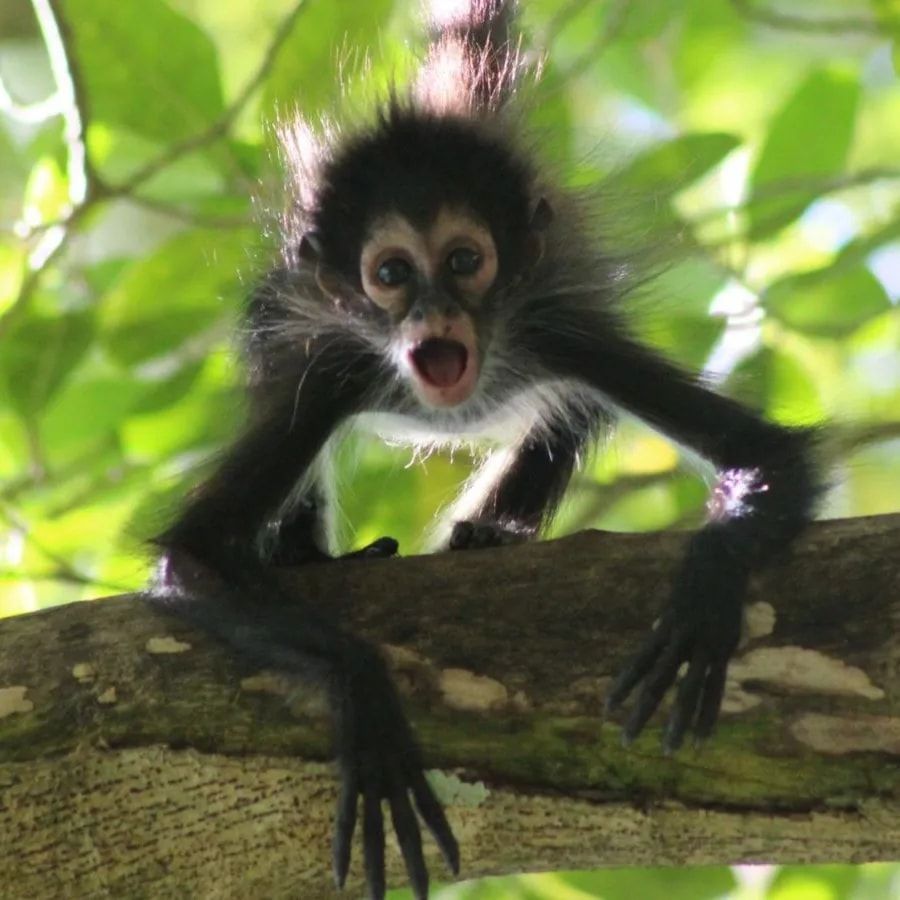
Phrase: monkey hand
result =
(700, 627)
(379, 759)
(477, 535)
(378, 549)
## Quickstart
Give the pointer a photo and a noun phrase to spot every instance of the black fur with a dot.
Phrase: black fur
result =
(414, 162)
(558, 358)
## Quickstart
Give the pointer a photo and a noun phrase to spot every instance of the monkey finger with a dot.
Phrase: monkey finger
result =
(711, 700)
(409, 838)
(660, 679)
(639, 665)
(684, 708)
(345, 824)
(433, 816)
(373, 844)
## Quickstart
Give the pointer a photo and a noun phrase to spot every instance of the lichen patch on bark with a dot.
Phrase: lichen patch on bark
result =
(759, 620)
(12, 700)
(166, 644)
(84, 672)
(451, 790)
(266, 683)
(465, 690)
(737, 700)
(836, 735)
(803, 670)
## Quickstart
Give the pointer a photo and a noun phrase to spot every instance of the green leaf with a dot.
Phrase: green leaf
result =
(645, 187)
(12, 270)
(813, 882)
(672, 166)
(552, 117)
(675, 314)
(777, 384)
(118, 153)
(168, 391)
(809, 136)
(306, 74)
(145, 67)
(178, 293)
(86, 412)
(830, 302)
(688, 883)
(39, 354)
(641, 19)
(203, 419)
(13, 171)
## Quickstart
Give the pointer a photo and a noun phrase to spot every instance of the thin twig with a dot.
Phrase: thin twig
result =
(838, 25)
(854, 437)
(191, 217)
(220, 127)
(782, 188)
(72, 102)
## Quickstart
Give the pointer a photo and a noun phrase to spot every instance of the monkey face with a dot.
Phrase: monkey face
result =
(432, 281)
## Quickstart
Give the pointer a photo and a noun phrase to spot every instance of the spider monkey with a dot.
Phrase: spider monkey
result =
(434, 281)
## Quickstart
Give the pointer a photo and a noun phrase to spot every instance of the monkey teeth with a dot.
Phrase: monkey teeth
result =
(439, 362)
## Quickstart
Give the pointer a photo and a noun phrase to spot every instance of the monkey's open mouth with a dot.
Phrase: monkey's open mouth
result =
(440, 362)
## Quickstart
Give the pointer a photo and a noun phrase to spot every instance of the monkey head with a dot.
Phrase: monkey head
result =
(427, 222)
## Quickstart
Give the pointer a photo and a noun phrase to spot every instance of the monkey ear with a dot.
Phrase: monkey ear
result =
(541, 217)
(310, 249)
(310, 252)
(330, 283)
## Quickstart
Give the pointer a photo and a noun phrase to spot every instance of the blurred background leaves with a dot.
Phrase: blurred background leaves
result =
(757, 142)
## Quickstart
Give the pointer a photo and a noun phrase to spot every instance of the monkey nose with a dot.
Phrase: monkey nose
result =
(434, 306)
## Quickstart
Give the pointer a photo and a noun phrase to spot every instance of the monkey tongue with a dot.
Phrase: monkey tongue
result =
(440, 362)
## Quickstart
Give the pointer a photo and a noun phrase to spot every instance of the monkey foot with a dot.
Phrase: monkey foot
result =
(379, 549)
(477, 535)
(306, 553)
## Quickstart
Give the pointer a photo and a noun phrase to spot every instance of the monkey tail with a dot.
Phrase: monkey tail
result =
(474, 59)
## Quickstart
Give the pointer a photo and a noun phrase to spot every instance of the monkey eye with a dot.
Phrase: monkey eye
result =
(394, 271)
(464, 261)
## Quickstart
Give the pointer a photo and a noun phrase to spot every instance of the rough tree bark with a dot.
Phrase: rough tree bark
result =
(137, 758)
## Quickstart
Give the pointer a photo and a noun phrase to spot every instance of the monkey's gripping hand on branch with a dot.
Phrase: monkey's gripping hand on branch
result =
(701, 627)
(756, 512)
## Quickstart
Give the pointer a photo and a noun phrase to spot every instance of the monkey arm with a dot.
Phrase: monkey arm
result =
(766, 490)
(517, 490)
(213, 576)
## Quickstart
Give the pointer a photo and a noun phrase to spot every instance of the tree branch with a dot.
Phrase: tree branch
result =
(138, 758)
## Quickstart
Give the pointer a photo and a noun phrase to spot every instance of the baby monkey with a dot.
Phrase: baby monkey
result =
(434, 283)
